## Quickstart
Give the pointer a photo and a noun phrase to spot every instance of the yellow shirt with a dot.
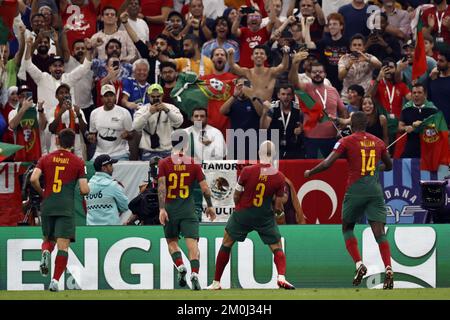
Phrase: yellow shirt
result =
(185, 64)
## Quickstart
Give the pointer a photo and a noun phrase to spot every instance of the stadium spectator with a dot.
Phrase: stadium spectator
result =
(157, 121)
(277, 7)
(357, 66)
(231, 14)
(310, 10)
(111, 31)
(110, 127)
(413, 113)
(68, 115)
(215, 118)
(113, 77)
(262, 78)
(174, 32)
(376, 123)
(12, 104)
(192, 60)
(319, 140)
(27, 121)
(382, 44)
(438, 91)
(404, 66)
(135, 88)
(332, 47)
(390, 95)
(306, 76)
(138, 24)
(436, 22)
(286, 118)
(198, 24)
(169, 75)
(221, 38)
(399, 20)
(251, 36)
(79, 18)
(355, 16)
(205, 141)
(155, 14)
(355, 97)
(106, 200)
(113, 48)
(429, 47)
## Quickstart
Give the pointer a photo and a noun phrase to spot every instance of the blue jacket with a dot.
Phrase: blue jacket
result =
(105, 201)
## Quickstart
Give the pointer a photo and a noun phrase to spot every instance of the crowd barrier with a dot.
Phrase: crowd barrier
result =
(321, 197)
(132, 257)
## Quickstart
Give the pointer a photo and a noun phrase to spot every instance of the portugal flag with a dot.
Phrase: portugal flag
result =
(433, 142)
(190, 92)
(313, 109)
(7, 149)
(7, 13)
(419, 66)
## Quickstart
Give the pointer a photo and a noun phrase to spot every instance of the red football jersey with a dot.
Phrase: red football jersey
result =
(60, 168)
(363, 152)
(180, 173)
(259, 184)
(248, 41)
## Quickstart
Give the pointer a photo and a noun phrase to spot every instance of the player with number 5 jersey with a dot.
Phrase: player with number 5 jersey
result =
(176, 176)
(364, 194)
(62, 171)
(257, 186)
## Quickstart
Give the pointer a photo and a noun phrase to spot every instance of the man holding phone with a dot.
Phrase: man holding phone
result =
(157, 121)
(27, 121)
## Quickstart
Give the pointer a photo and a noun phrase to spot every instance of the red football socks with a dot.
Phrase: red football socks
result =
(60, 264)
(280, 261)
(222, 260)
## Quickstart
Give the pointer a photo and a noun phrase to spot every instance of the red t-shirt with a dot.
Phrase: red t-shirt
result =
(215, 118)
(81, 21)
(363, 152)
(260, 183)
(10, 194)
(180, 175)
(153, 8)
(248, 40)
(401, 90)
(445, 32)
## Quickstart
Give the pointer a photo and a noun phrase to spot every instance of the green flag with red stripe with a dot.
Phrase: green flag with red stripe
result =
(7, 149)
(433, 142)
(312, 108)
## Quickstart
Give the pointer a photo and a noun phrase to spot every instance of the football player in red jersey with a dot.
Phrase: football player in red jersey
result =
(364, 194)
(256, 187)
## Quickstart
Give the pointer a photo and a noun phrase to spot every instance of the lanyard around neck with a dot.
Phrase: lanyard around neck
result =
(323, 98)
(390, 94)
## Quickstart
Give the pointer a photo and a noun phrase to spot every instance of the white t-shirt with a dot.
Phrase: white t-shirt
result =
(110, 125)
(140, 27)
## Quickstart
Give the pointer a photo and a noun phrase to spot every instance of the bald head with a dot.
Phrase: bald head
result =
(267, 152)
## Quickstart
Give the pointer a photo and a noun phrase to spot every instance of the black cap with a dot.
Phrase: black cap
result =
(53, 59)
(410, 43)
(23, 88)
(103, 160)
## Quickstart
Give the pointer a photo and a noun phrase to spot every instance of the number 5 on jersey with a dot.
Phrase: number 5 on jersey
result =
(173, 184)
(57, 182)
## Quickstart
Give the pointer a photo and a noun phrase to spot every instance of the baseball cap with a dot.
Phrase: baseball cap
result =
(410, 43)
(155, 86)
(23, 88)
(12, 90)
(107, 88)
(54, 59)
(103, 160)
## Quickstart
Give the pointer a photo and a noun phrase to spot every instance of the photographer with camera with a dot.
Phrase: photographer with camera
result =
(106, 200)
(67, 115)
(157, 121)
(144, 207)
(27, 121)
(381, 44)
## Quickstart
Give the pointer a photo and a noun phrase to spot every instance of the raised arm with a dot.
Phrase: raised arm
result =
(293, 72)
(235, 30)
(283, 66)
(234, 68)
(322, 166)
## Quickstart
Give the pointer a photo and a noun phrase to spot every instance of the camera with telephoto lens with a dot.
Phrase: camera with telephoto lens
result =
(146, 204)
(31, 199)
(436, 199)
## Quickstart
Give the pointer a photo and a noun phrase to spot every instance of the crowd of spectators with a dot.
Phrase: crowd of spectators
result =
(106, 69)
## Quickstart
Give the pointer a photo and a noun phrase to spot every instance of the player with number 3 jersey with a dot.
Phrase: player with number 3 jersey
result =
(257, 186)
(364, 194)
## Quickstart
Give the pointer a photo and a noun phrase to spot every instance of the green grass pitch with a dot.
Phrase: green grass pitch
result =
(234, 294)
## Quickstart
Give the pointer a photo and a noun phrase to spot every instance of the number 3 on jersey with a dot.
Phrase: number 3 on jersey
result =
(259, 197)
(173, 183)
(367, 164)
(57, 182)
